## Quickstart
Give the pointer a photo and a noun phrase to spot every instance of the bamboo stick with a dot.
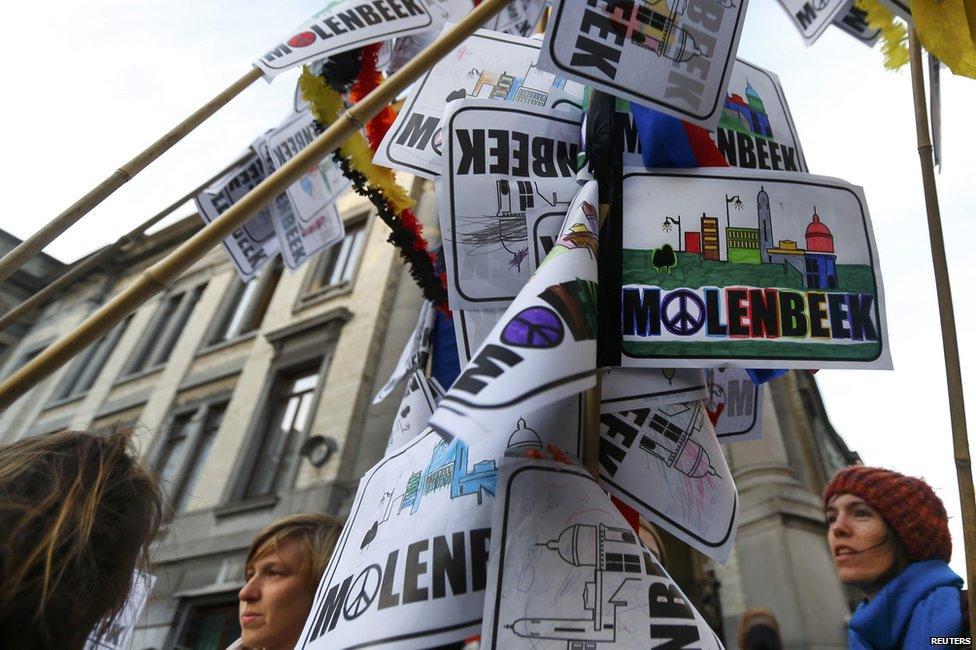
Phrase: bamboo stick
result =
(950, 346)
(36, 242)
(159, 275)
(79, 270)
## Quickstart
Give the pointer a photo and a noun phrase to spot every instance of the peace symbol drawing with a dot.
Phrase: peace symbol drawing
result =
(362, 592)
(534, 327)
(683, 312)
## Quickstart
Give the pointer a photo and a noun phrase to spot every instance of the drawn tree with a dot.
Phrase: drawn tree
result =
(664, 259)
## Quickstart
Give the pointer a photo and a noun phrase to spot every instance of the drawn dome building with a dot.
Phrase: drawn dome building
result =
(820, 260)
(819, 238)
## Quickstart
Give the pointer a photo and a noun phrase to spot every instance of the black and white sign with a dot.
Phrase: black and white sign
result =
(414, 353)
(812, 17)
(853, 20)
(254, 243)
(416, 407)
(666, 463)
(567, 571)
(522, 157)
(345, 25)
(488, 65)
(672, 55)
(307, 220)
(411, 565)
(734, 404)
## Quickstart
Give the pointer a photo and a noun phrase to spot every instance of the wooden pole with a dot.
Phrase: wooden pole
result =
(104, 254)
(36, 242)
(950, 346)
(159, 275)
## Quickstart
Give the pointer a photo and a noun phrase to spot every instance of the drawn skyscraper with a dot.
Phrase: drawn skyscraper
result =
(765, 225)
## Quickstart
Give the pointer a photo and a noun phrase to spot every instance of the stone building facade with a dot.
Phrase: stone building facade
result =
(225, 383)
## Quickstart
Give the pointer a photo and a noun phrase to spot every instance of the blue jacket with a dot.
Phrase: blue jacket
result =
(920, 602)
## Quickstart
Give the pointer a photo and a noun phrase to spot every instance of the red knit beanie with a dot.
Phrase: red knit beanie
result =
(907, 504)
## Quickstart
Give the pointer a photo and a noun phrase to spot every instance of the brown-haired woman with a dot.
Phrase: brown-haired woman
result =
(283, 568)
(77, 514)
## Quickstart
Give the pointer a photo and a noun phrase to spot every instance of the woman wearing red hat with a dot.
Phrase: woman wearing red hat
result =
(889, 536)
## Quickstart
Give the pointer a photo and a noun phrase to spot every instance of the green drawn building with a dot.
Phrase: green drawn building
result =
(742, 245)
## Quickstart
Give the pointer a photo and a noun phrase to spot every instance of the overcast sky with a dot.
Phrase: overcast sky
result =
(90, 84)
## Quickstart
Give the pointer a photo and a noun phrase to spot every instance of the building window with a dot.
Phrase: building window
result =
(337, 265)
(85, 370)
(285, 431)
(161, 336)
(208, 624)
(185, 449)
(246, 305)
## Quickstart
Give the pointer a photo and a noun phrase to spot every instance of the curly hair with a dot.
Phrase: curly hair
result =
(78, 512)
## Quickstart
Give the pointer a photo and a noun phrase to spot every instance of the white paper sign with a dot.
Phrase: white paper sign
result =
(812, 17)
(414, 412)
(666, 464)
(734, 404)
(254, 243)
(750, 269)
(544, 347)
(672, 55)
(343, 26)
(309, 220)
(487, 65)
(629, 388)
(756, 130)
(414, 352)
(566, 571)
(524, 158)
(409, 570)
(119, 633)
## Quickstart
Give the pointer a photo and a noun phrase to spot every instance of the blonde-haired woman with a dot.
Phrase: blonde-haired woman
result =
(77, 514)
(282, 569)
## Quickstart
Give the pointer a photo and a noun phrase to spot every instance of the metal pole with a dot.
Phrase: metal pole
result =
(36, 242)
(950, 346)
(159, 275)
(104, 254)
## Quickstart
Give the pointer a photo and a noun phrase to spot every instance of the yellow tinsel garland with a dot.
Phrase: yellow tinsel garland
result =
(893, 32)
(326, 105)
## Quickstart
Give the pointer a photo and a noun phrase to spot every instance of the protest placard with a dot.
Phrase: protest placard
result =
(254, 243)
(306, 220)
(345, 25)
(794, 283)
(755, 130)
(734, 404)
(671, 55)
(565, 570)
(523, 157)
(544, 346)
(411, 564)
(812, 17)
(488, 65)
(666, 463)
